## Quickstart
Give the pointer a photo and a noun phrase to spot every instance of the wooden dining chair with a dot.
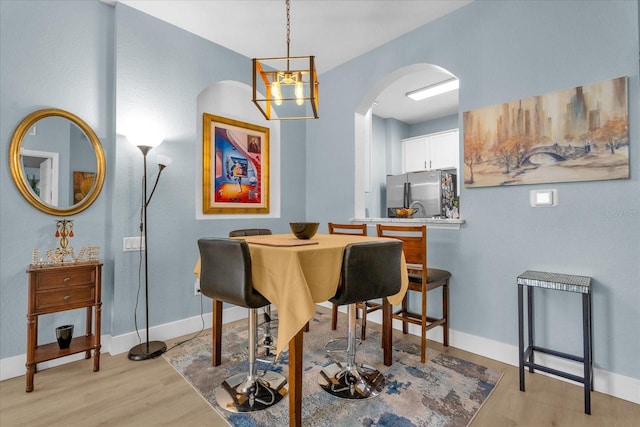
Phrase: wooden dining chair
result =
(421, 279)
(365, 307)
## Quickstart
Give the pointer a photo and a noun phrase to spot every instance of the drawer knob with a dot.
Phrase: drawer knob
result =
(67, 279)
(67, 298)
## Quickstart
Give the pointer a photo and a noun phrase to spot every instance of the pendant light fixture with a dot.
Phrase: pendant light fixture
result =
(290, 84)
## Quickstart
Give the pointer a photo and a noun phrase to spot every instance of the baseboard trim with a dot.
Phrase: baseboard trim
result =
(123, 343)
(620, 386)
(606, 382)
(14, 366)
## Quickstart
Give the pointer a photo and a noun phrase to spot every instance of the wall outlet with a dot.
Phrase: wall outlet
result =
(196, 287)
(132, 244)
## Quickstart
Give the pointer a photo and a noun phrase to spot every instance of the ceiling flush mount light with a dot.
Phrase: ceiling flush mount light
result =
(433, 90)
(291, 92)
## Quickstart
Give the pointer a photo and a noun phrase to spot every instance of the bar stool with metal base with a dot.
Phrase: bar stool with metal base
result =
(365, 307)
(225, 276)
(369, 270)
(267, 342)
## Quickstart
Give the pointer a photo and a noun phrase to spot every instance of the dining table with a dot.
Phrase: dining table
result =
(294, 275)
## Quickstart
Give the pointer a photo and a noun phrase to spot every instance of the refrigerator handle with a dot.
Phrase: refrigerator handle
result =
(406, 194)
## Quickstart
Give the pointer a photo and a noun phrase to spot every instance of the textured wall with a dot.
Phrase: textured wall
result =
(503, 51)
(63, 55)
(52, 55)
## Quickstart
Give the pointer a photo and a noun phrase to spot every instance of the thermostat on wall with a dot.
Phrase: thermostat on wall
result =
(543, 198)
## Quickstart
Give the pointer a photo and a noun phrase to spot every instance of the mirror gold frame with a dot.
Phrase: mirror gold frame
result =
(20, 180)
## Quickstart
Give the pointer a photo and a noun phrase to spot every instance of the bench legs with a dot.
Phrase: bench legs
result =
(526, 355)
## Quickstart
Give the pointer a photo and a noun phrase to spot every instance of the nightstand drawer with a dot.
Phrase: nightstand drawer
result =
(64, 299)
(60, 279)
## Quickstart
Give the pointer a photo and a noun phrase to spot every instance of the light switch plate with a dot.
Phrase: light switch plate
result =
(132, 244)
(543, 198)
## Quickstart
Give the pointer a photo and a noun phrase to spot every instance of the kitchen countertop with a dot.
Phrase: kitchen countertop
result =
(444, 223)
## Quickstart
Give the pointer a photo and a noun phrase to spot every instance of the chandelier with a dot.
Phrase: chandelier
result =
(291, 92)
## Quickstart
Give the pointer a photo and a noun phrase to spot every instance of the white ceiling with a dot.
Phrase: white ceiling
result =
(334, 31)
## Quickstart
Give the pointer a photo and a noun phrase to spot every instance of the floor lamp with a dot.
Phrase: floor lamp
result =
(148, 349)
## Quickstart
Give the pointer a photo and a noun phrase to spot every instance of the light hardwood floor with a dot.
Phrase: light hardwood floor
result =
(152, 393)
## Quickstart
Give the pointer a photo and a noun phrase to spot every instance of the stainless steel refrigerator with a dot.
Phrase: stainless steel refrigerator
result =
(430, 192)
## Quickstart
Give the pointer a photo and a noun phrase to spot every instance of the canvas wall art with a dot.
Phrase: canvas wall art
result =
(235, 167)
(577, 134)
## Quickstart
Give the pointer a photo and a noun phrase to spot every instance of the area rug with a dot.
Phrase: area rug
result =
(445, 391)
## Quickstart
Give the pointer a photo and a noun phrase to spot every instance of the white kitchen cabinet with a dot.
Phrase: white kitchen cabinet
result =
(433, 151)
(415, 154)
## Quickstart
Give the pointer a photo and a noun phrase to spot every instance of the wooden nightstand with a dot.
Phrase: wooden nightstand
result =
(59, 288)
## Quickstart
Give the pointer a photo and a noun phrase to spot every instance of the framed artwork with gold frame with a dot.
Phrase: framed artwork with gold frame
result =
(235, 166)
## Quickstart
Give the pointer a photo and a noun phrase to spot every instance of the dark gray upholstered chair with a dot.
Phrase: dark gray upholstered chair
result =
(249, 232)
(269, 323)
(225, 275)
(366, 307)
(369, 270)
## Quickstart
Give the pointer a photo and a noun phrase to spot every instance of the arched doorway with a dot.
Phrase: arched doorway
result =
(370, 173)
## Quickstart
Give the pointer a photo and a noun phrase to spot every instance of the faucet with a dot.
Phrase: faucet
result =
(418, 202)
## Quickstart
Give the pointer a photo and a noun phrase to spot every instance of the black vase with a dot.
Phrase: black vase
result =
(64, 335)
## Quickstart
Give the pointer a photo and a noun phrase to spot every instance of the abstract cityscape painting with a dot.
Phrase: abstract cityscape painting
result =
(577, 134)
(235, 167)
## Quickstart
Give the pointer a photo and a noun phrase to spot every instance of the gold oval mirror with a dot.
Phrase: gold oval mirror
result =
(57, 162)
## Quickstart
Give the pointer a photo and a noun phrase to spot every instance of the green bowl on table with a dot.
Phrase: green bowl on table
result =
(304, 230)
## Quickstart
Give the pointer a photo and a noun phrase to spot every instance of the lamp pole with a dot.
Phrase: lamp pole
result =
(148, 349)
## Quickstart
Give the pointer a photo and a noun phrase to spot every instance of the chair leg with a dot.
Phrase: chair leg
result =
(334, 316)
(351, 336)
(267, 324)
(445, 314)
(351, 381)
(405, 324)
(363, 324)
(216, 331)
(253, 342)
(423, 326)
(251, 391)
(268, 342)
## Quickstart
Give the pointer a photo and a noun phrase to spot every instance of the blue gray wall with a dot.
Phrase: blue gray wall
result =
(440, 124)
(108, 65)
(502, 51)
(98, 62)
(160, 72)
(52, 55)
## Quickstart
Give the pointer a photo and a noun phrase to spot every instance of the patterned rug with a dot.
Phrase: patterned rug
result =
(445, 391)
